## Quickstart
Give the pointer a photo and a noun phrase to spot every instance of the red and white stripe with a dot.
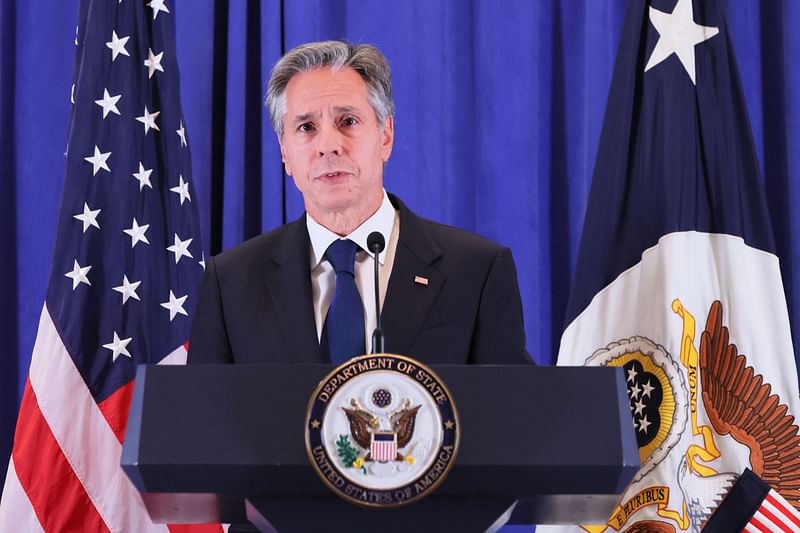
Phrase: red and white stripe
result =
(774, 514)
(383, 450)
(64, 472)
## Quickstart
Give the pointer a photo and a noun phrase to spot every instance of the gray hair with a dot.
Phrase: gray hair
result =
(365, 59)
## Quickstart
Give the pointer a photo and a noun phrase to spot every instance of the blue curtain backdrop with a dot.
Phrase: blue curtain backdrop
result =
(499, 109)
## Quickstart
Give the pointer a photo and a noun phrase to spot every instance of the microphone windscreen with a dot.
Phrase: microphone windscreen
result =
(376, 242)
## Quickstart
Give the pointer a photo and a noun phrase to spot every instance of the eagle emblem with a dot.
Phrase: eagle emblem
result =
(383, 445)
(382, 430)
(668, 397)
(740, 404)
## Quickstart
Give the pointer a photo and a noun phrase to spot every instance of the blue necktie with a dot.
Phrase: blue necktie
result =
(343, 332)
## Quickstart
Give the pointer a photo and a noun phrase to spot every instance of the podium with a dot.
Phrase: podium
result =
(226, 443)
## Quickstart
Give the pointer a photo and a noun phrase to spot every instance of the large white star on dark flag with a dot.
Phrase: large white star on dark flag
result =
(175, 306)
(678, 34)
(128, 289)
(78, 275)
(137, 233)
(98, 160)
(182, 190)
(180, 248)
(156, 6)
(88, 217)
(182, 134)
(149, 120)
(153, 62)
(117, 45)
(143, 176)
(108, 103)
(118, 347)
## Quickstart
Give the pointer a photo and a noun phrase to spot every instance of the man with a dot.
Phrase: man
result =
(304, 292)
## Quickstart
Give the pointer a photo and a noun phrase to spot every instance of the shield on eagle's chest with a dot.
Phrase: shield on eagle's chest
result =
(383, 447)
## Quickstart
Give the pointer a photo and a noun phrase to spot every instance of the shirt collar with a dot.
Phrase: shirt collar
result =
(381, 221)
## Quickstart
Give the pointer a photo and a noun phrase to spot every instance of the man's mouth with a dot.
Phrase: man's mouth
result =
(332, 175)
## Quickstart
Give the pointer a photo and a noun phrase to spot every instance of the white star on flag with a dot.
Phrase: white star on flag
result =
(108, 103)
(635, 391)
(88, 217)
(137, 233)
(182, 189)
(180, 248)
(117, 46)
(149, 120)
(78, 275)
(128, 289)
(202, 261)
(644, 424)
(175, 306)
(156, 6)
(647, 389)
(118, 347)
(182, 134)
(143, 176)
(678, 34)
(98, 160)
(153, 62)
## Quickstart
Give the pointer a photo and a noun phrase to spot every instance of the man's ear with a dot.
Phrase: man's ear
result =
(284, 159)
(387, 139)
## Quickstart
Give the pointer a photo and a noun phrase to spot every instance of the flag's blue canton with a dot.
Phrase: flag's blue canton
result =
(116, 293)
(674, 155)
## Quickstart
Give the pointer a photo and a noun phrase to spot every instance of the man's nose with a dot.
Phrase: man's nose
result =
(329, 140)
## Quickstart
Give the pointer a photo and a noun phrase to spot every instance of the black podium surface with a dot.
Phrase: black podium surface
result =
(226, 442)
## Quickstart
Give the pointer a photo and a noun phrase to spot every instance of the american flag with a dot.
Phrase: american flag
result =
(752, 506)
(383, 447)
(125, 271)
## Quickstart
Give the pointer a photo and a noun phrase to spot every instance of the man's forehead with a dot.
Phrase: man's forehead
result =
(340, 88)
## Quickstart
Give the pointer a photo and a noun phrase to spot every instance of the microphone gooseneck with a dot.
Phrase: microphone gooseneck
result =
(376, 243)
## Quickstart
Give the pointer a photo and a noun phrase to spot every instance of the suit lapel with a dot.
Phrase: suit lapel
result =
(408, 298)
(287, 277)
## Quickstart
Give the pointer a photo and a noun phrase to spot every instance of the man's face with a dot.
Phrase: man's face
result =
(332, 144)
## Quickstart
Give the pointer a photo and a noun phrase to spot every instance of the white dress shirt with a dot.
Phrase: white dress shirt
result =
(323, 278)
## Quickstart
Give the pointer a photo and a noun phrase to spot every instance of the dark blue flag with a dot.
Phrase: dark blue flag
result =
(676, 228)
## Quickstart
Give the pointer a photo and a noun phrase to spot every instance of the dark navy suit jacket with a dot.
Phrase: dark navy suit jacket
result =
(255, 302)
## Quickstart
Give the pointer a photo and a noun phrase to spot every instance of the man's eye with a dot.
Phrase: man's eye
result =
(349, 121)
(306, 127)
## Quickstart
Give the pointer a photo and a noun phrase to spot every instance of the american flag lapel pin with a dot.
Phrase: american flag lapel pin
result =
(420, 280)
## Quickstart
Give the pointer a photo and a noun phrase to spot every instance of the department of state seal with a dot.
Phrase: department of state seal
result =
(382, 430)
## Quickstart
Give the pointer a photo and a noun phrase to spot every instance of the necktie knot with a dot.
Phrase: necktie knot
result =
(342, 256)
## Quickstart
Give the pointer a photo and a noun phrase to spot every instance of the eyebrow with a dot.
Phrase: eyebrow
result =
(304, 117)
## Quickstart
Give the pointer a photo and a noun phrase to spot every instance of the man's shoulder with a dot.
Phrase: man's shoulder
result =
(451, 236)
(448, 238)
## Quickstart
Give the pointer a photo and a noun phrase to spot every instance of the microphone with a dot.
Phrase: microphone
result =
(376, 243)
